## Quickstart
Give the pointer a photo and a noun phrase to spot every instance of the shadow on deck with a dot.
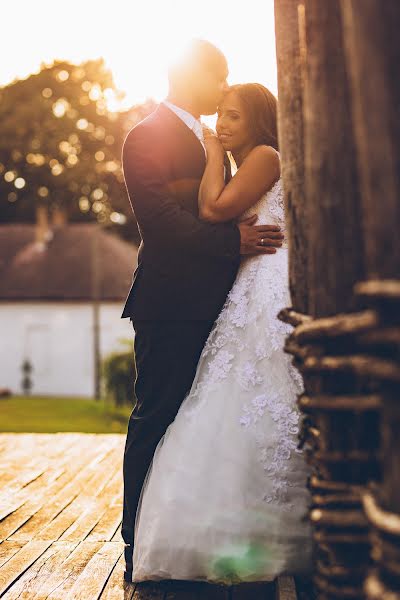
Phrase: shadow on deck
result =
(60, 517)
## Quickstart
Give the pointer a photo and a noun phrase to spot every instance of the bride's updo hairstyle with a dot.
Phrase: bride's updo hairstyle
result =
(262, 111)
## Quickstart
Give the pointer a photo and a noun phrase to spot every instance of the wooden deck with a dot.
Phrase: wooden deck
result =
(60, 516)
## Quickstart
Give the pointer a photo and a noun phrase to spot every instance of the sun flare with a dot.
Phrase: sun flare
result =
(138, 41)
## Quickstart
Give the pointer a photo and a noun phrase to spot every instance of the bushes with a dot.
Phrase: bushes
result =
(119, 374)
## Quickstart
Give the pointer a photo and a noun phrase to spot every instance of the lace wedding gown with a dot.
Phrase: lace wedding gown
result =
(225, 498)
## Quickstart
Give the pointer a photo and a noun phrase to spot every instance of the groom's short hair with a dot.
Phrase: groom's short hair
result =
(197, 55)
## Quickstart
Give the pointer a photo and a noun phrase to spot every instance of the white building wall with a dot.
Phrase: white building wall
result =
(57, 338)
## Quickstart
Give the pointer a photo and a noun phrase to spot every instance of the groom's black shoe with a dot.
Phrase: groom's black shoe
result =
(128, 553)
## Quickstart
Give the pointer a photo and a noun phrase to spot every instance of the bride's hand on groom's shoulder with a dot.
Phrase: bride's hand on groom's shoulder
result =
(212, 143)
(208, 132)
(214, 146)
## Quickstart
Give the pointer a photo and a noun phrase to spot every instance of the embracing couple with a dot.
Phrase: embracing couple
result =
(214, 484)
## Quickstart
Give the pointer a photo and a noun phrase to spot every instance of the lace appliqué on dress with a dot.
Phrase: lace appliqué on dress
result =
(246, 345)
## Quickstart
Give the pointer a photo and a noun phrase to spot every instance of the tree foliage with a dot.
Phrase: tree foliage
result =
(61, 145)
(118, 371)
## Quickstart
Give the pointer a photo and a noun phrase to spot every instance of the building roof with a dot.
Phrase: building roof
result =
(65, 267)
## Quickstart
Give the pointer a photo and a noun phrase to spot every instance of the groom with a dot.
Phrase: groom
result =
(186, 267)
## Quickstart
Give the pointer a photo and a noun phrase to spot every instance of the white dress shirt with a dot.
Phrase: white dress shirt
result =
(189, 120)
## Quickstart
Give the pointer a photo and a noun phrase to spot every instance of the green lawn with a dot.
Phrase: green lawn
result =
(50, 415)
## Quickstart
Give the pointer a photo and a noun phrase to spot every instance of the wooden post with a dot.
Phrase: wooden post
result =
(289, 27)
(373, 48)
(341, 425)
(334, 227)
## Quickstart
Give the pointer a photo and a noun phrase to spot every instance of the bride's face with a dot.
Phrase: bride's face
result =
(233, 126)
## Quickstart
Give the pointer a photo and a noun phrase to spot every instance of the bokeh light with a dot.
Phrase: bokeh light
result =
(60, 107)
(9, 176)
(43, 191)
(19, 183)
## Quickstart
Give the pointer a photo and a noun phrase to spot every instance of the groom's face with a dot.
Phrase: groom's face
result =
(211, 85)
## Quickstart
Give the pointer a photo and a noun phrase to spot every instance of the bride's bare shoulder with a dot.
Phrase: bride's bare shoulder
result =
(263, 154)
(262, 165)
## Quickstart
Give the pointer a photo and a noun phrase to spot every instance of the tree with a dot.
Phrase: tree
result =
(117, 374)
(61, 144)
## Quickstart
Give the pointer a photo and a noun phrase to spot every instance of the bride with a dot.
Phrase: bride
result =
(225, 498)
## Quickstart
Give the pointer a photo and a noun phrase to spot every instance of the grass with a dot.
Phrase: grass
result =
(35, 414)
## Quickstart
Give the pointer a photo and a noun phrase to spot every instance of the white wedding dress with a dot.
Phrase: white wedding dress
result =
(225, 499)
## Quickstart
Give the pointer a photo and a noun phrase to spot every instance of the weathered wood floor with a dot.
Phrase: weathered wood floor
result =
(60, 515)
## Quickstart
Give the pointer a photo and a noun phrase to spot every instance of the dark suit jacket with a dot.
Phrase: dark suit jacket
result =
(186, 267)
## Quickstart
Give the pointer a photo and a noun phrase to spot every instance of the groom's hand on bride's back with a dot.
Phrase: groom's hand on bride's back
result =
(259, 239)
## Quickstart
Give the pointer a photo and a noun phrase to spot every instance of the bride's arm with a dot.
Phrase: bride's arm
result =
(257, 174)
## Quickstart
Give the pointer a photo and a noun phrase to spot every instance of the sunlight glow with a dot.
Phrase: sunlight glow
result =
(137, 41)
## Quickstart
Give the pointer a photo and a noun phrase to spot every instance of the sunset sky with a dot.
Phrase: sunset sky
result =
(138, 39)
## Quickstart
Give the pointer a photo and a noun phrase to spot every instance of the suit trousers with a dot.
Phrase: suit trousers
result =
(166, 357)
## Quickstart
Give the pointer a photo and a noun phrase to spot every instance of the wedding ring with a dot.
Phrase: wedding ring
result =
(262, 242)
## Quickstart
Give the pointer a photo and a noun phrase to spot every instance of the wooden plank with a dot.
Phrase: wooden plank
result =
(148, 590)
(177, 590)
(58, 587)
(117, 537)
(12, 501)
(25, 464)
(94, 576)
(33, 493)
(7, 550)
(11, 482)
(4, 443)
(285, 588)
(28, 585)
(192, 590)
(254, 591)
(21, 443)
(29, 447)
(116, 588)
(20, 562)
(108, 528)
(63, 498)
(14, 521)
(95, 502)
(196, 590)
(82, 480)
(42, 448)
(216, 592)
(79, 516)
(24, 457)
